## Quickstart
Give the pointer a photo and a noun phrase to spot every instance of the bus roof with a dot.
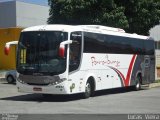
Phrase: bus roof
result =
(85, 28)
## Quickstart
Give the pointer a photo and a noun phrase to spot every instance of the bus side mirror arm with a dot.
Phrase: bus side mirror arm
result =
(7, 46)
(62, 48)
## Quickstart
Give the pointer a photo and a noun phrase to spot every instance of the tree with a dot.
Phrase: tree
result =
(135, 16)
(141, 14)
(102, 12)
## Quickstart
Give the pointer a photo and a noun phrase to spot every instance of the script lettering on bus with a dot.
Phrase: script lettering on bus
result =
(105, 62)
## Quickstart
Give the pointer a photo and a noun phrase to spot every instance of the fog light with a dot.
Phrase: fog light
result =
(21, 81)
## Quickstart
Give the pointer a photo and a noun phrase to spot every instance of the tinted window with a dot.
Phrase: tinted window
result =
(38, 52)
(149, 47)
(94, 43)
(100, 43)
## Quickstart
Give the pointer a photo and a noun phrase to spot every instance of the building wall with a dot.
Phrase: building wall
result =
(158, 63)
(155, 34)
(31, 14)
(15, 15)
(6, 35)
(22, 14)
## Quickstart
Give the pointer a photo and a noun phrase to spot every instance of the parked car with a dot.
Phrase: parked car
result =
(11, 76)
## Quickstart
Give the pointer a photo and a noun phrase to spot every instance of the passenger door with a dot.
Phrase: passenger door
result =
(75, 51)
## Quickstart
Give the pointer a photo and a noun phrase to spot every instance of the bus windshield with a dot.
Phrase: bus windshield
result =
(38, 53)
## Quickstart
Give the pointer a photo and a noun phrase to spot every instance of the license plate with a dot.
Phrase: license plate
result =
(37, 89)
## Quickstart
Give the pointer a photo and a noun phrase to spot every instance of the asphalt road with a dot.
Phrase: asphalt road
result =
(117, 101)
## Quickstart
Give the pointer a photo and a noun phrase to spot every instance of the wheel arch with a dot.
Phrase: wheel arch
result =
(10, 76)
(90, 86)
(93, 82)
(90, 76)
(139, 74)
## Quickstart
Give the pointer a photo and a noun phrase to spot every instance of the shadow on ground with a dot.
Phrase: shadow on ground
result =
(63, 98)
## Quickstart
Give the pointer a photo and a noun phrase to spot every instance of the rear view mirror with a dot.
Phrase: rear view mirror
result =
(7, 46)
(62, 48)
(61, 51)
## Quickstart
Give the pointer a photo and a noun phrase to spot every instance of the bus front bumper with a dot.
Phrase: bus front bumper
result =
(50, 89)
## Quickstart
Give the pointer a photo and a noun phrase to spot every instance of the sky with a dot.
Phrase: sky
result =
(40, 2)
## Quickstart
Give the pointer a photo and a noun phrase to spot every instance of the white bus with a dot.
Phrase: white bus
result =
(66, 59)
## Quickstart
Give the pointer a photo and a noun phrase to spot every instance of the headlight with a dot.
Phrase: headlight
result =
(57, 81)
(21, 81)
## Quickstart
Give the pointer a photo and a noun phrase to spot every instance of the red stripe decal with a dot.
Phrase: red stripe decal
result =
(129, 71)
(121, 75)
(127, 79)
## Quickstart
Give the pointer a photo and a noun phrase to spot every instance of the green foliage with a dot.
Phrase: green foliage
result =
(141, 14)
(157, 81)
(135, 16)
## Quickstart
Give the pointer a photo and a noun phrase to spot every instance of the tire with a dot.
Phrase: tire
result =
(88, 90)
(10, 79)
(138, 84)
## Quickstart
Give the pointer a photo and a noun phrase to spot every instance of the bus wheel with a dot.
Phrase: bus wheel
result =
(138, 83)
(88, 90)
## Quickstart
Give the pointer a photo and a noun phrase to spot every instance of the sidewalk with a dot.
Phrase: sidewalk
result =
(2, 75)
(153, 85)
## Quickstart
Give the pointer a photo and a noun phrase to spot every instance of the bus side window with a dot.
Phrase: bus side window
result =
(75, 51)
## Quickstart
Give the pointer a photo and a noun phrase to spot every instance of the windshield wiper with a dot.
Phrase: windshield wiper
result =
(23, 46)
(28, 67)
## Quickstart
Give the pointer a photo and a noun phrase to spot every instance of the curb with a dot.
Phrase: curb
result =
(153, 85)
(2, 79)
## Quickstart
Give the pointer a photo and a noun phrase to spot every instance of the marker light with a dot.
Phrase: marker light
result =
(61, 51)
(6, 50)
